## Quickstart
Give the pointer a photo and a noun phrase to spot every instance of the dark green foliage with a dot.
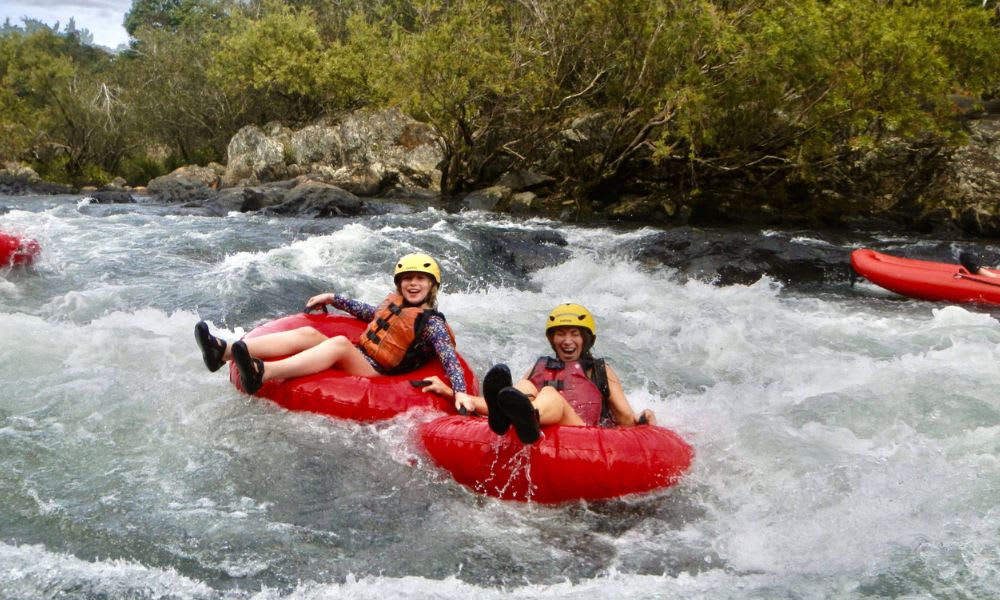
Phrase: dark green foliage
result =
(140, 170)
(172, 15)
(57, 110)
(594, 92)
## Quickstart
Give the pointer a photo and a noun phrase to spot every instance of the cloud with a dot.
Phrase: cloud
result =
(113, 6)
(103, 18)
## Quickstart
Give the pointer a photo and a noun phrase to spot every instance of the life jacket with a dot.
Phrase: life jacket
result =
(393, 337)
(588, 395)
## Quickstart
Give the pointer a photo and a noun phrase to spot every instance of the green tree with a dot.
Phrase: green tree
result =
(757, 88)
(810, 80)
(465, 69)
(172, 104)
(173, 15)
(56, 108)
(278, 60)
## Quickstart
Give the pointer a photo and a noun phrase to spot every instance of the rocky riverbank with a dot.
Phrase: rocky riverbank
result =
(369, 161)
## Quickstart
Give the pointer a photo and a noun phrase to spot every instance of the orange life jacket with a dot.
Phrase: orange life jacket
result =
(588, 395)
(392, 339)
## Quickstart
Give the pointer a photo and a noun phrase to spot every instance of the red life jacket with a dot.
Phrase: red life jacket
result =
(587, 396)
(392, 338)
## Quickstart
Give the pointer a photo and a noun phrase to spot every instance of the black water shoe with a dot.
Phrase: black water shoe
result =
(522, 414)
(969, 262)
(212, 348)
(251, 369)
(496, 379)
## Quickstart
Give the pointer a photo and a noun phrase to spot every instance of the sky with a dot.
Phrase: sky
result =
(102, 17)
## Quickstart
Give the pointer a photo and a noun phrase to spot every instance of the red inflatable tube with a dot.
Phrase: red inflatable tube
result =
(568, 463)
(17, 251)
(925, 280)
(344, 396)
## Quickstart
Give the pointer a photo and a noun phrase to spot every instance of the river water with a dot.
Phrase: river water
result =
(847, 441)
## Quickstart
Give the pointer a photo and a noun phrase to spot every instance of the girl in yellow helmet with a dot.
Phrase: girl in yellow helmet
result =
(572, 388)
(404, 332)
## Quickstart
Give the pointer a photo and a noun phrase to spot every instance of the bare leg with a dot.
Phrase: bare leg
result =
(282, 343)
(551, 406)
(337, 351)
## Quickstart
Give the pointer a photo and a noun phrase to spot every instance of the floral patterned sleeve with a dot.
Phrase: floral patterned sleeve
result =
(358, 310)
(436, 334)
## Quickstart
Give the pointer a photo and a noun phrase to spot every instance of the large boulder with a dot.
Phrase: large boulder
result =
(525, 180)
(16, 179)
(518, 253)
(733, 257)
(249, 199)
(187, 184)
(255, 155)
(404, 148)
(487, 199)
(319, 200)
(316, 144)
(112, 196)
(363, 180)
(368, 152)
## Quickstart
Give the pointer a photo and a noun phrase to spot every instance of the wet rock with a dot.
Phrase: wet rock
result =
(656, 208)
(250, 199)
(486, 199)
(319, 200)
(522, 204)
(16, 180)
(732, 257)
(187, 184)
(523, 180)
(107, 196)
(258, 198)
(522, 252)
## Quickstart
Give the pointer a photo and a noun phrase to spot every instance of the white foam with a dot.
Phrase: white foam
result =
(27, 569)
(836, 439)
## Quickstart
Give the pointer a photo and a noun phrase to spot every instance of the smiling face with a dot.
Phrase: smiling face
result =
(568, 342)
(415, 287)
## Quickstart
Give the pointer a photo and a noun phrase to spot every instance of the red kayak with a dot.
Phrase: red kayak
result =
(568, 463)
(925, 280)
(17, 251)
(338, 394)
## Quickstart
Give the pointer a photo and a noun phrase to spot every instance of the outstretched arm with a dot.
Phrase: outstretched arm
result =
(357, 309)
(471, 404)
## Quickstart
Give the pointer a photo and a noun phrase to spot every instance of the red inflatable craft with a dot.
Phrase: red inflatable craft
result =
(924, 279)
(17, 251)
(337, 394)
(568, 463)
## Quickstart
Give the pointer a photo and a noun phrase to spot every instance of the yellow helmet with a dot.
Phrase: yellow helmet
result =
(417, 263)
(571, 315)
